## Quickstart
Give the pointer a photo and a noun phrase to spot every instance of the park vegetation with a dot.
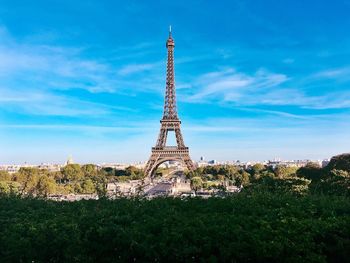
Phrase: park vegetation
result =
(89, 179)
(310, 179)
(281, 214)
(72, 179)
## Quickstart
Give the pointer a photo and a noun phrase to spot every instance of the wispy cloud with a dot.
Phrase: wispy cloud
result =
(45, 64)
(231, 85)
(135, 68)
(44, 103)
(84, 128)
(67, 67)
(37, 78)
(342, 73)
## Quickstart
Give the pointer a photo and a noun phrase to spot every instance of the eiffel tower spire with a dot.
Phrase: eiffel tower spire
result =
(170, 111)
(169, 122)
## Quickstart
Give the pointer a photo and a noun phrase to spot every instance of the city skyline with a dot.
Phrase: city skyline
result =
(254, 81)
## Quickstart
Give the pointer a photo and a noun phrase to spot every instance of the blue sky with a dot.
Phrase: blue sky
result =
(255, 79)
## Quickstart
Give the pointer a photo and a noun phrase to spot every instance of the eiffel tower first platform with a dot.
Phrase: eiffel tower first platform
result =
(170, 122)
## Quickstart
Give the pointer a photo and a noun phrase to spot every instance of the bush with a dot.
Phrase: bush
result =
(250, 227)
(339, 162)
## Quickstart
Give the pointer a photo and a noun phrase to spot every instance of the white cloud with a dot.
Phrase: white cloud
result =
(135, 68)
(335, 73)
(62, 68)
(34, 76)
(231, 85)
(45, 103)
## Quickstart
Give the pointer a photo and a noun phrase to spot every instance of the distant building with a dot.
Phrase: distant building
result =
(70, 160)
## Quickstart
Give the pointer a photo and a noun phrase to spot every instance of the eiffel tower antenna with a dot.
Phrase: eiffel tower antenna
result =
(169, 122)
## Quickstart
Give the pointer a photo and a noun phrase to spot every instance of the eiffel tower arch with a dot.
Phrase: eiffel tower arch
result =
(169, 122)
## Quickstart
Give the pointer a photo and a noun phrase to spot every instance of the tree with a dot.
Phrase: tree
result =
(294, 185)
(336, 182)
(131, 170)
(311, 171)
(77, 189)
(110, 171)
(5, 176)
(58, 176)
(88, 186)
(100, 183)
(196, 183)
(339, 162)
(257, 168)
(282, 171)
(4, 188)
(241, 178)
(46, 185)
(89, 170)
(339, 173)
(28, 178)
(72, 172)
(221, 177)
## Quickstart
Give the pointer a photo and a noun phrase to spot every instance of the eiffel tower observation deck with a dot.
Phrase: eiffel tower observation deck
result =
(169, 122)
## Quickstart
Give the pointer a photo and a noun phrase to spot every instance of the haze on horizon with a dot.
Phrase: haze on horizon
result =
(255, 80)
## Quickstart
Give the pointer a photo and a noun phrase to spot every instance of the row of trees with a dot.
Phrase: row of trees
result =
(332, 179)
(88, 179)
(73, 178)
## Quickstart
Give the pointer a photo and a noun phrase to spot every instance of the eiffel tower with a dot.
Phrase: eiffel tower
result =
(169, 122)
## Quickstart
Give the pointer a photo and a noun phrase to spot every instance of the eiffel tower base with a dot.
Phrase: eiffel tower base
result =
(163, 154)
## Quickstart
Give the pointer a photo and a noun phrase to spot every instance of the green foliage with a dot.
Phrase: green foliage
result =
(241, 178)
(46, 185)
(311, 171)
(282, 171)
(337, 182)
(110, 171)
(4, 188)
(209, 184)
(89, 170)
(276, 217)
(28, 178)
(339, 162)
(130, 173)
(6, 185)
(88, 179)
(88, 186)
(256, 171)
(248, 227)
(196, 183)
(217, 174)
(72, 172)
(5, 176)
(257, 168)
(292, 185)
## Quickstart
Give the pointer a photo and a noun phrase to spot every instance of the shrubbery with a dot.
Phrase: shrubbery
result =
(248, 227)
(281, 215)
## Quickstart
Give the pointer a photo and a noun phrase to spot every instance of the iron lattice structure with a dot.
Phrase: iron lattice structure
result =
(169, 122)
